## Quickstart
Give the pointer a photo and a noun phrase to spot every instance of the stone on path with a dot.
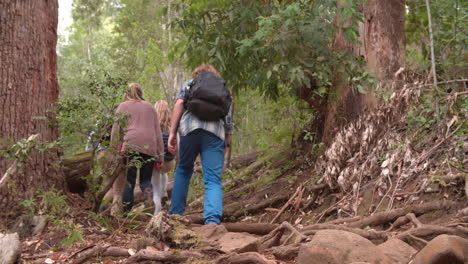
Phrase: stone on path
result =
(340, 247)
(227, 241)
(10, 248)
(398, 251)
(442, 250)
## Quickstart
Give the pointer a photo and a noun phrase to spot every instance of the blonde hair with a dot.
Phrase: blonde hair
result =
(135, 92)
(205, 68)
(164, 114)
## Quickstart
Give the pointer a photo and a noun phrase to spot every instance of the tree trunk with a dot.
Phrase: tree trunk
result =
(382, 46)
(28, 89)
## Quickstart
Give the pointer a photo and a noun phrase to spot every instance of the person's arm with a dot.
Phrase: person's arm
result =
(176, 115)
(229, 127)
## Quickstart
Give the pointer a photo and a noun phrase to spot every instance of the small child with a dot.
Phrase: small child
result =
(159, 178)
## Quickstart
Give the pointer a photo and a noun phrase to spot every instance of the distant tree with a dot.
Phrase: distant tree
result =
(28, 89)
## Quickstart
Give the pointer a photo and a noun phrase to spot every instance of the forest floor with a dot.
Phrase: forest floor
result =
(273, 191)
(380, 180)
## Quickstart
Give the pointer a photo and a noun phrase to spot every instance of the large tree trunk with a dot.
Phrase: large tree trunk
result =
(28, 89)
(382, 46)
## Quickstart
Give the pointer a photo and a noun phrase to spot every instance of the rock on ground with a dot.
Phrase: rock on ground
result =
(443, 249)
(227, 241)
(10, 248)
(398, 251)
(340, 247)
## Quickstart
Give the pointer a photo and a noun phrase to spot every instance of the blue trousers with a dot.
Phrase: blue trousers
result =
(211, 150)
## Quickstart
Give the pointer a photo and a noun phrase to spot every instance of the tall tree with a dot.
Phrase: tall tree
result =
(28, 89)
(381, 45)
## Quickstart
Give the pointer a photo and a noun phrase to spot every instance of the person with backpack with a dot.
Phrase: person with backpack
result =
(201, 116)
(159, 178)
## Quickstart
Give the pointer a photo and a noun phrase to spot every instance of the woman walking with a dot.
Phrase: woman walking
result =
(142, 144)
(159, 179)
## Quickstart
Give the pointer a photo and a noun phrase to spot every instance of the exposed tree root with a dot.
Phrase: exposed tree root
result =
(256, 229)
(428, 232)
(402, 220)
(392, 215)
(344, 220)
(237, 209)
(285, 253)
(275, 238)
(163, 256)
(244, 258)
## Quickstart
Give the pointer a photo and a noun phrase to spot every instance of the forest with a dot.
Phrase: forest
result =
(349, 131)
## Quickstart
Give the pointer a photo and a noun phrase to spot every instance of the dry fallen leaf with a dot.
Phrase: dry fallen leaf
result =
(131, 251)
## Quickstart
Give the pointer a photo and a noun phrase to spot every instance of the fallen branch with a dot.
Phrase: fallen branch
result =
(89, 253)
(392, 215)
(163, 256)
(290, 201)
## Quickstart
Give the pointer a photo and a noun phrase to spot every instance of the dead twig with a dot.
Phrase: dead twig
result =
(298, 191)
(89, 253)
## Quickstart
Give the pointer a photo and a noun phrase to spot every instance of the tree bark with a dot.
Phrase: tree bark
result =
(382, 46)
(28, 89)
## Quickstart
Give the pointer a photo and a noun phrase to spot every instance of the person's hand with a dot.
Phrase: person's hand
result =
(172, 143)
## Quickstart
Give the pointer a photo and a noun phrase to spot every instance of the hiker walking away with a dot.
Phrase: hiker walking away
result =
(199, 116)
(142, 144)
(159, 179)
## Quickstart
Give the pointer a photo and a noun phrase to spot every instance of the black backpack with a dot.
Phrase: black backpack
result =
(207, 97)
(167, 155)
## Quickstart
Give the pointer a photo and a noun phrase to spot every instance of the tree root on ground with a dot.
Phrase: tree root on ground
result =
(392, 215)
(238, 209)
(255, 228)
(244, 258)
(402, 220)
(285, 253)
(414, 236)
(275, 238)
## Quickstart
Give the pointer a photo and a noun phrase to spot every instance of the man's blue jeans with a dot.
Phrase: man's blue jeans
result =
(211, 150)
